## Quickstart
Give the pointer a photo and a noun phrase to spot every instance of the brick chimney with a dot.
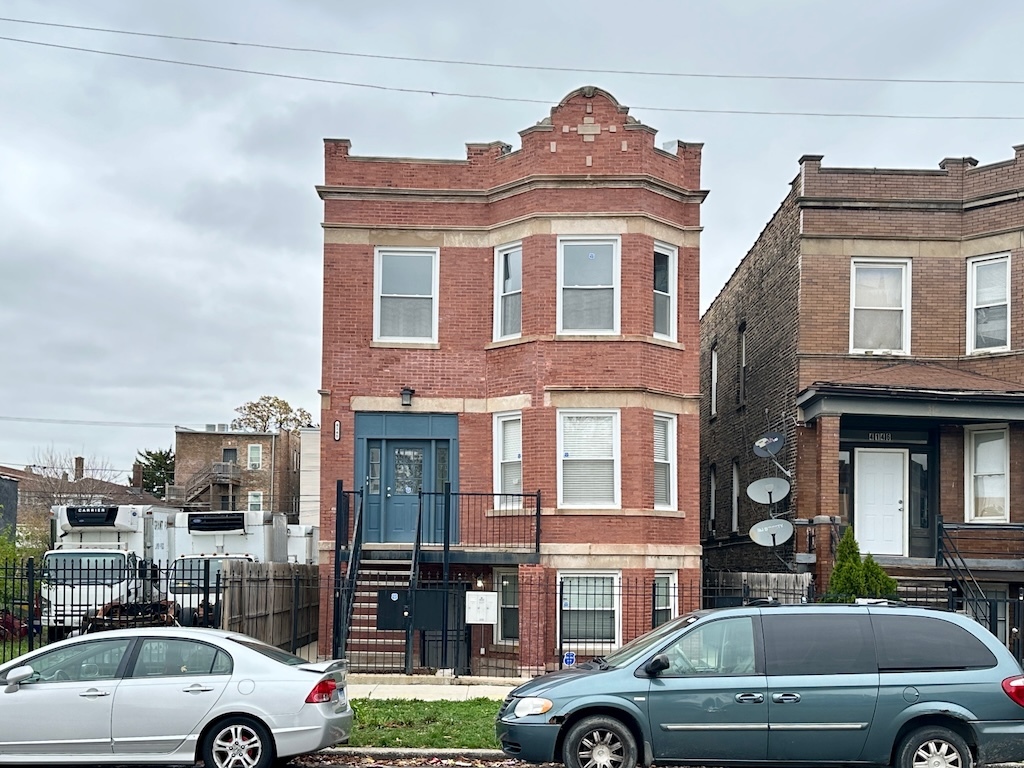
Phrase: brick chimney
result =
(136, 475)
(79, 467)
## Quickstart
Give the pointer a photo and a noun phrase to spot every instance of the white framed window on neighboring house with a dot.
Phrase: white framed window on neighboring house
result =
(987, 466)
(588, 459)
(508, 291)
(255, 457)
(255, 501)
(665, 282)
(508, 605)
(405, 295)
(664, 461)
(741, 365)
(588, 285)
(714, 381)
(988, 303)
(880, 306)
(666, 597)
(590, 607)
(735, 496)
(712, 497)
(508, 456)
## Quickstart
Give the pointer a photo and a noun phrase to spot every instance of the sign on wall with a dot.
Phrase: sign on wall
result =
(481, 607)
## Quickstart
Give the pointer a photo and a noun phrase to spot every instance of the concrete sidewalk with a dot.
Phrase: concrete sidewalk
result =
(425, 688)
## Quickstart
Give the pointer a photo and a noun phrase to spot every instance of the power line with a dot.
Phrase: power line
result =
(88, 423)
(508, 99)
(527, 67)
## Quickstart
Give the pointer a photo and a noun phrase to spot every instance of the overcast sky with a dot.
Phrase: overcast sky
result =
(160, 247)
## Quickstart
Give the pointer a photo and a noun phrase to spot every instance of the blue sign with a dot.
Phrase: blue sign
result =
(569, 659)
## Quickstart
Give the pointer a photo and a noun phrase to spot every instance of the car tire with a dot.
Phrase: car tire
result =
(599, 742)
(237, 741)
(187, 617)
(934, 746)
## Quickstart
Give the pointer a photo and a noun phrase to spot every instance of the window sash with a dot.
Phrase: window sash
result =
(589, 610)
(508, 605)
(588, 275)
(988, 314)
(714, 381)
(255, 456)
(406, 295)
(255, 501)
(989, 460)
(664, 292)
(879, 307)
(735, 496)
(510, 454)
(509, 292)
(664, 464)
(588, 459)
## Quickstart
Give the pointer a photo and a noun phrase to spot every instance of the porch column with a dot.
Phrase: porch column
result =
(538, 603)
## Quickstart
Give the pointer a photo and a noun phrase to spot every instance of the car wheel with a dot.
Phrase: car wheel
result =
(238, 742)
(599, 742)
(187, 617)
(934, 747)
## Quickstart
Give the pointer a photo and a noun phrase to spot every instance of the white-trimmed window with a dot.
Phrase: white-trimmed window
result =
(508, 291)
(664, 461)
(988, 310)
(735, 496)
(590, 607)
(255, 457)
(665, 281)
(588, 285)
(712, 498)
(508, 453)
(405, 295)
(508, 605)
(666, 591)
(880, 302)
(714, 381)
(588, 458)
(255, 501)
(988, 468)
(741, 365)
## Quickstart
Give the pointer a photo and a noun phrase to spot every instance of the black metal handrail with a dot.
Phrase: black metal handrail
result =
(948, 556)
(414, 580)
(355, 552)
(509, 521)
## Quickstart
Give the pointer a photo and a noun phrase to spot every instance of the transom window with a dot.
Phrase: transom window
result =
(665, 291)
(988, 313)
(508, 292)
(588, 459)
(988, 461)
(588, 280)
(880, 301)
(406, 295)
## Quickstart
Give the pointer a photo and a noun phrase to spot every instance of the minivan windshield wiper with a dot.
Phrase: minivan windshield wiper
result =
(596, 662)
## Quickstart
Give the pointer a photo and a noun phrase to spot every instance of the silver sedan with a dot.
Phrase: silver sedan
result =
(169, 695)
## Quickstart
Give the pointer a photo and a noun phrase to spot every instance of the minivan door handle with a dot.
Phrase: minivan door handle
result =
(749, 698)
(785, 698)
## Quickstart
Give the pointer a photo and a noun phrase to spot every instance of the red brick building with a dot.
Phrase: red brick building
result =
(523, 325)
(877, 324)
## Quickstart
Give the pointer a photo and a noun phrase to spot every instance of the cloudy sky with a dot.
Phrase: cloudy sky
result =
(160, 247)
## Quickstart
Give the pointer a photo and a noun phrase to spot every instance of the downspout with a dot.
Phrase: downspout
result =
(273, 467)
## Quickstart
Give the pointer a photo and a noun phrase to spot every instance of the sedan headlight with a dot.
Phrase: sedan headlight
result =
(532, 706)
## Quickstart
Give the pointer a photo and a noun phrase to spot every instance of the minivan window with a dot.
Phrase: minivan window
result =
(646, 643)
(818, 644)
(922, 643)
(724, 647)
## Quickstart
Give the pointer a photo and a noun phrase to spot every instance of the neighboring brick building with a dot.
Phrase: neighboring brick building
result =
(540, 309)
(222, 469)
(877, 324)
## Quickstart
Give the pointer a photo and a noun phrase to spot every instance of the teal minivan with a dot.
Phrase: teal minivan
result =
(781, 684)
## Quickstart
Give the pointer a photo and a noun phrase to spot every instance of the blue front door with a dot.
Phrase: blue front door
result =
(408, 464)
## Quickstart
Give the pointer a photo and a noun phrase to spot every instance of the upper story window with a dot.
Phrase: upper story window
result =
(588, 285)
(988, 467)
(741, 365)
(405, 294)
(508, 453)
(880, 302)
(664, 461)
(714, 381)
(988, 309)
(508, 292)
(665, 292)
(735, 496)
(712, 498)
(588, 459)
(255, 457)
(255, 501)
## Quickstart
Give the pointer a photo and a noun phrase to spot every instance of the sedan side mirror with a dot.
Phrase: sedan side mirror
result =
(17, 676)
(657, 665)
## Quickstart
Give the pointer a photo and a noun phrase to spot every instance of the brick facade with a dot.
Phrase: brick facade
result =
(831, 402)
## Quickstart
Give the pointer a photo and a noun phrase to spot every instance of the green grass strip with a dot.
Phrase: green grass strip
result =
(411, 723)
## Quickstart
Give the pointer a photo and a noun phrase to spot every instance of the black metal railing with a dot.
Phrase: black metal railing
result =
(506, 521)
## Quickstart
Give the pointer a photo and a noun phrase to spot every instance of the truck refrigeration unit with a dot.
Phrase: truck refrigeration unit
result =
(103, 554)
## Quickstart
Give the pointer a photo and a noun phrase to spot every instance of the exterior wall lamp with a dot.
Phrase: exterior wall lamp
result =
(407, 393)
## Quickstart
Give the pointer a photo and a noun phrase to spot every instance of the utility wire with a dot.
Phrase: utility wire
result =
(509, 99)
(528, 67)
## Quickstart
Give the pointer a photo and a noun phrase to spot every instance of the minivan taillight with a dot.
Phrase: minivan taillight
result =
(1014, 687)
(324, 691)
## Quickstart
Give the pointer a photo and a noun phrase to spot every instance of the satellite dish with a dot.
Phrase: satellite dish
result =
(769, 444)
(768, 490)
(769, 533)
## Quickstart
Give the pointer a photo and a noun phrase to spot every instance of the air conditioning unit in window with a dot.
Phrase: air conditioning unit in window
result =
(254, 465)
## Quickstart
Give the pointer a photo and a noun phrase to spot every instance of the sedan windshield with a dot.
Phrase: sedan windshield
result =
(641, 646)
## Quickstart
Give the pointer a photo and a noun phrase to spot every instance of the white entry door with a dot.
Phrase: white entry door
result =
(880, 491)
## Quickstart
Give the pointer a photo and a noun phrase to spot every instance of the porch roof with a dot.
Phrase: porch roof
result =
(916, 389)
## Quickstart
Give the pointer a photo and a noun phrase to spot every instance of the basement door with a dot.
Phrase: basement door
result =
(880, 493)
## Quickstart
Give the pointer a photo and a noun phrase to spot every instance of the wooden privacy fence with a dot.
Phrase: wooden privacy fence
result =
(278, 603)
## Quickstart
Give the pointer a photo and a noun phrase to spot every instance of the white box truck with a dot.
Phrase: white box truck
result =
(204, 541)
(103, 554)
